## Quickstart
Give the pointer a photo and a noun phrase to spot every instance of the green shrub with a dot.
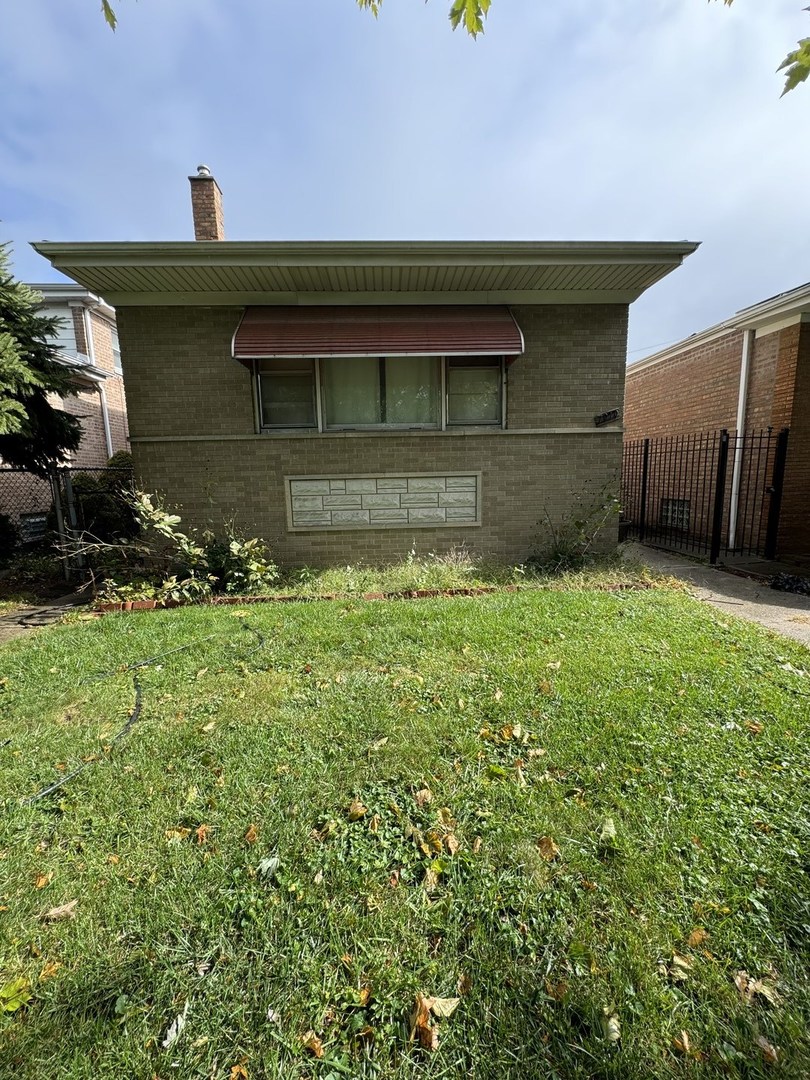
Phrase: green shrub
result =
(37, 573)
(9, 538)
(569, 544)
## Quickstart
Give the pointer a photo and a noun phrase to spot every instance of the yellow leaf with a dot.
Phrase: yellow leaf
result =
(42, 880)
(444, 1007)
(548, 849)
(202, 833)
(374, 824)
(251, 835)
(356, 810)
(682, 1043)
(697, 937)
(313, 1044)
(423, 797)
(113, 860)
(446, 818)
(238, 1072)
(175, 836)
(452, 844)
(477, 845)
(49, 970)
(422, 1031)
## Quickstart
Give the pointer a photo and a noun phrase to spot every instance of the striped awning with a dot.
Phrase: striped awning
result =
(419, 330)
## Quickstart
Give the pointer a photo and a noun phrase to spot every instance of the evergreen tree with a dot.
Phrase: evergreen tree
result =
(33, 434)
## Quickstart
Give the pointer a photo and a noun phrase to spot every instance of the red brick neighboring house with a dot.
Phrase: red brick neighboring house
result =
(87, 339)
(749, 372)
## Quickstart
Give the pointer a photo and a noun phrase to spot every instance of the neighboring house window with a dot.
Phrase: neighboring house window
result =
(675, 513)
(339, 393)
(287, 394)
(116, 351)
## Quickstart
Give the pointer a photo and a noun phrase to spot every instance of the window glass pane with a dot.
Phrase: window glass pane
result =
(412, 390)
(474, 394)
(288, 397)
(351, 390)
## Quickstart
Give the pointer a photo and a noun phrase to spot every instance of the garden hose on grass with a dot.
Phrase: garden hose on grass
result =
(134, 715)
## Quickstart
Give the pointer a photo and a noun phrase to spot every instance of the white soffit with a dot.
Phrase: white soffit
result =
(248, 272)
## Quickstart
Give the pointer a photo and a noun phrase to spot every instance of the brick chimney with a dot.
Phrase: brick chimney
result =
(206, 205)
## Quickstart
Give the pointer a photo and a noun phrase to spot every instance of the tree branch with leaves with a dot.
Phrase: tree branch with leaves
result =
(471, 14)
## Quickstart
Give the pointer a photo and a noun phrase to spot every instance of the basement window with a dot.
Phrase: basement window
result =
(674, 514)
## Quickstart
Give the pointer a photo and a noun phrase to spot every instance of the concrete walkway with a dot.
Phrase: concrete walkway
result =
(785, 613)
(24, 620)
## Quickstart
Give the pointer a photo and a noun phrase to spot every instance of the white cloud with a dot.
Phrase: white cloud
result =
(627, 119)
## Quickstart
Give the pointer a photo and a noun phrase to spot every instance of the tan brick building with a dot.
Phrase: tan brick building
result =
(348, 401)
(747, 373)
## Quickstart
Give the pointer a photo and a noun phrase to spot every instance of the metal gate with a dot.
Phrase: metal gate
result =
(716, 493)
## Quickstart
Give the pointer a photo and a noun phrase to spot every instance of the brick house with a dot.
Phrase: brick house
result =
(747, 373)
(350, 400)
(87, 340)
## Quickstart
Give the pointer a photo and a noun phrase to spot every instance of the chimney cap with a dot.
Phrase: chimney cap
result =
(203, 173)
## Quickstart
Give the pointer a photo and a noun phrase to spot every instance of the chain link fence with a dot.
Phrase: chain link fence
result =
(38, 514)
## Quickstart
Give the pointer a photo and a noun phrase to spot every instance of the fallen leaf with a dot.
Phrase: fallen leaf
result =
(356, 810)
(49, 970)
(208, 728)
(176, 836)
(556, 990)
(423, 797)
(431, 880)
(422, 1030)
(64, 911)
(679, 968)
(755, 727)
(750, 988)
(607, 834)
(452, 844)
(318, 878)
(611, 1025)
(201, 672)
(42, 880)
(544, 686)
(251, 835)
(239, 1072)
(589, 886)
(444, 1007)
(498, 695)
(548, 849)
(273, 1017)
(521, 779)
(555, 665)
(769, 1051)
(697, 937)
(374, 824)
(13, 995)
(175, 1028)
(682, 1043)
(313, 1044)
(113, 860)
(464, 984)
(202, 833)
(477, 842)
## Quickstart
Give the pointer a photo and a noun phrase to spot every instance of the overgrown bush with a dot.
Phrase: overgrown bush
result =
(166, 563)
(34, 573)
(570, 543)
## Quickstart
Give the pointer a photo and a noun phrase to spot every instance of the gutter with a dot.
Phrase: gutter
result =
(102, 393)
(742, 404)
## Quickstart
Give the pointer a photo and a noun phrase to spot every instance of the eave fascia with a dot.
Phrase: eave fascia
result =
(359, 253)
(344, 299)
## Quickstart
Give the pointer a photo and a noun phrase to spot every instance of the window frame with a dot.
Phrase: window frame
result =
(319, 400)
(280, 370)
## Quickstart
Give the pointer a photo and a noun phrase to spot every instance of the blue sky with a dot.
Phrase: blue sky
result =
(623, 119)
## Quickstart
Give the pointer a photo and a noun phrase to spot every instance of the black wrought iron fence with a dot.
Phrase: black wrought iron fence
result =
(716, 492)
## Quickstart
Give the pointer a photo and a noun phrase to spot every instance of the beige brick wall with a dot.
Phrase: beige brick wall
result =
(183, 384)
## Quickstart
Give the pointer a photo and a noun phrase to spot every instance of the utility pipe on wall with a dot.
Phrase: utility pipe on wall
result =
(742, 404)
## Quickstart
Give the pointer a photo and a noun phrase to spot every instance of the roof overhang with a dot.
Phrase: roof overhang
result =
(272, 272)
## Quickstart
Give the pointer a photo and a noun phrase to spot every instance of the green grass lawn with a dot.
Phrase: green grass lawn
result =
(403, 798)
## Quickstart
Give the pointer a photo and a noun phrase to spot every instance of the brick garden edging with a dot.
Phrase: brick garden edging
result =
(407, 594)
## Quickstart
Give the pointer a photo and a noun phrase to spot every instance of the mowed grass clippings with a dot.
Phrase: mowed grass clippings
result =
(583, 815)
